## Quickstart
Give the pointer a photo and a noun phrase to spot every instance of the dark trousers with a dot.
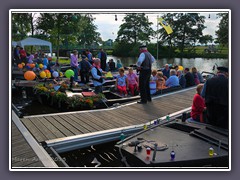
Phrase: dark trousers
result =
(98, 89)
(217, 115)
(144, 78)
(84, 77)
(103, 64)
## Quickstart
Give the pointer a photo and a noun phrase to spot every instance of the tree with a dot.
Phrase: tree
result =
(222, 32)
(187, 29)
(206, 39)
(65, 28)
(135, 29)
(88, 36)
(21, 25)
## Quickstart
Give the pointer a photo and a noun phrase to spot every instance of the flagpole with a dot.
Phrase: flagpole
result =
(157, 37)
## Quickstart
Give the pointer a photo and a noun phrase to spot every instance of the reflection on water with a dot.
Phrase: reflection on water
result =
(201, 64)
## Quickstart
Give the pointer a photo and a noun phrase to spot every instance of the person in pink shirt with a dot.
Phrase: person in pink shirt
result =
(132, 81)
(74, 64)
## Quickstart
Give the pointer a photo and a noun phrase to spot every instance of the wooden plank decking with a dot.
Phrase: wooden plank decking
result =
(48, 127)
(22, 154)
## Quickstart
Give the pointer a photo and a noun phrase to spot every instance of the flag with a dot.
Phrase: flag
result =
(165, 25)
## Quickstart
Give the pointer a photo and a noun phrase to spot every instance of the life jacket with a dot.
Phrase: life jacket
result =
(99, 74)
(146, 64)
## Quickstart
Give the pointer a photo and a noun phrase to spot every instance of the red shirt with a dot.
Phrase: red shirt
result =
(23, 53)
(197, 106)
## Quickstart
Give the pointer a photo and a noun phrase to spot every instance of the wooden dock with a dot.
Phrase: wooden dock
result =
(22, 153)
(61, 125)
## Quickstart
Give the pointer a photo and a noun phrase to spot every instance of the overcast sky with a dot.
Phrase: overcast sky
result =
(108, 27)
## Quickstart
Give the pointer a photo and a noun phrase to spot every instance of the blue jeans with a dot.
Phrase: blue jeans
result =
(75, 69)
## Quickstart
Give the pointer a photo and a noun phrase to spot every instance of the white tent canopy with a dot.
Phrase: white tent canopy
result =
(14, 43)
(35, 42)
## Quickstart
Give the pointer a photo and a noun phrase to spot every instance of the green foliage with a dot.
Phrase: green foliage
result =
(135, 29)
(222, 32)
(58, 97)
(21, 25)
(187, 29)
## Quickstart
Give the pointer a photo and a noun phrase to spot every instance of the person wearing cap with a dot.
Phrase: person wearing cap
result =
(144, 65)
(215, 92)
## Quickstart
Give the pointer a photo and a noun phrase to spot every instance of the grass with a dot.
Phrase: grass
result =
(62, 60)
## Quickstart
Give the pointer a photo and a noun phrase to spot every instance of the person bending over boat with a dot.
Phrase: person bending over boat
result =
(97, 76)
(144, 65)
(173, 80)
(198, 106)
(132, 81)
(122, 82)
(215, 92)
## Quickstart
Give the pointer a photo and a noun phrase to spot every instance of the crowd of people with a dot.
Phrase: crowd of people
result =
(210, 103)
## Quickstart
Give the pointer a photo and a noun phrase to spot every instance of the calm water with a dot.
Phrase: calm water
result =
(200, 63)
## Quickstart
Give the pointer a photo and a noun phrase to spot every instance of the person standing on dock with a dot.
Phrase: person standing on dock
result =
(97, 76)
(215, 92)
(103, 57)
(144, 65)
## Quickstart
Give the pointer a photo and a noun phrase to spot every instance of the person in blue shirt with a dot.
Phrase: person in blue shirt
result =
(144, 65)
(89, 56)
(119, 64)
(97, 76)
(166, 72)
(173, 80)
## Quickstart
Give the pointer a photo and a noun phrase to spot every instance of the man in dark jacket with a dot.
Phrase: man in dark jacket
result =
(189, 78)
(215, 92)
(84, 67)
(103, 57)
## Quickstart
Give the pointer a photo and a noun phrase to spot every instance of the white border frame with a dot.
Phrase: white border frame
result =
(114, 11)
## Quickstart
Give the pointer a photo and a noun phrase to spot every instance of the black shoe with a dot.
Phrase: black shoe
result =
(142, 102)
